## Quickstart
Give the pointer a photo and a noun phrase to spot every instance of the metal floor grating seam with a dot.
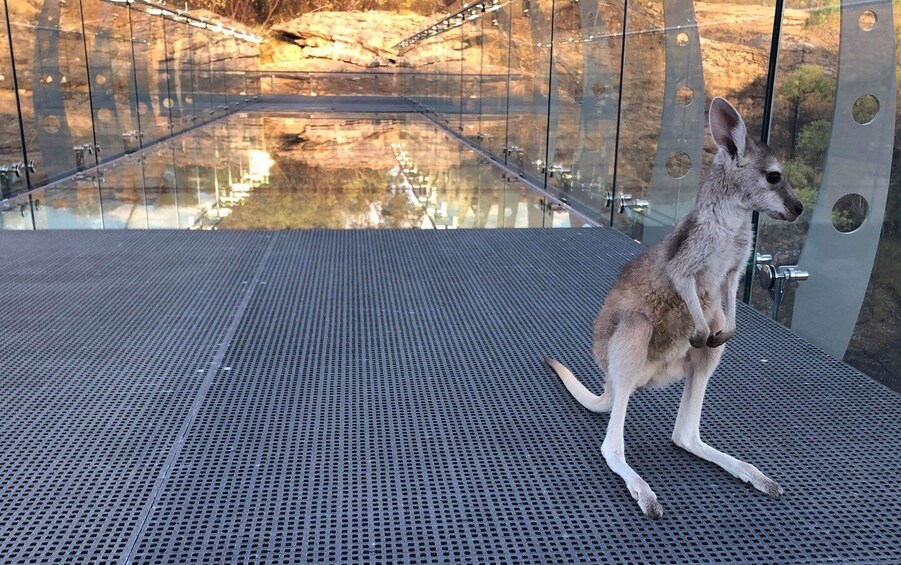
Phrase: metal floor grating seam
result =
(382, 399)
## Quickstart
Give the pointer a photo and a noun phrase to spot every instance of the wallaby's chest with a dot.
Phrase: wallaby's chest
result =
(726, 252)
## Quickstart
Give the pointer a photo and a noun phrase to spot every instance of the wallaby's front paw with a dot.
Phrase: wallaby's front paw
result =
(720, 338)
(699, 339)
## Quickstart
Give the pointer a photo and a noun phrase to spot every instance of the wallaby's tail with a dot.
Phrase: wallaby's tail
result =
(585, 397)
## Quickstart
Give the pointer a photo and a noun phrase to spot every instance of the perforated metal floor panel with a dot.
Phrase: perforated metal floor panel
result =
(380, 397)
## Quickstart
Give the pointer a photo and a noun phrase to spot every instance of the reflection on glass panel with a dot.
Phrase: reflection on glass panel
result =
(70, 204)
(528, 119)
(181, 75)
(587, 45)
(219, 51)
(802, 123)
(835, 127)
(249, 53)
(112, 80)
(210, 158)
(493, 85)
(13, 171)
(233, 72)
(151, 75)
(274, 171)
(159, 187)
(187, 179)
(122, 194)
(15, 213)
(471, 80)
(53, 88)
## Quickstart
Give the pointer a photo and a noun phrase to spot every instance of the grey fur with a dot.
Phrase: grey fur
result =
(665, 319)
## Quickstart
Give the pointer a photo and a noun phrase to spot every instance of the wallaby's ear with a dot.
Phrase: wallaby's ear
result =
(727, 127)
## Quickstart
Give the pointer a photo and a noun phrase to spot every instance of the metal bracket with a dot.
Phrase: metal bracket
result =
(550, 206)
(624, 202)
(564, 175)
(81, 151)
(516, 152)
(774, 279)
(129, 137)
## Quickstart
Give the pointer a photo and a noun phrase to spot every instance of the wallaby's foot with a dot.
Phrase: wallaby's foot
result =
(700, 338)
(720, 338)
(764, 484)
(646, 498)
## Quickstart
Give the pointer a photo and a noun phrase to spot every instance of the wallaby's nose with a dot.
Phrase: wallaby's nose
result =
(799, 208)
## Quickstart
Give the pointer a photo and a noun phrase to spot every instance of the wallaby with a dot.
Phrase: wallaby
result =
(663, 319)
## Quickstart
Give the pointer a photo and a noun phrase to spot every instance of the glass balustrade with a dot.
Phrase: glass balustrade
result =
(87, 82)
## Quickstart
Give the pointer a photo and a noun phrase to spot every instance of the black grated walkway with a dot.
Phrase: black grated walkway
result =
(379, 397)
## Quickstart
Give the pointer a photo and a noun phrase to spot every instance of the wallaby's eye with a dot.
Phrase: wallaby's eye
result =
(773, 177)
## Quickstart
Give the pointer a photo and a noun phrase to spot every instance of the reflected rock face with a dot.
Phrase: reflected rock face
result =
(333, 143)
(341, 40)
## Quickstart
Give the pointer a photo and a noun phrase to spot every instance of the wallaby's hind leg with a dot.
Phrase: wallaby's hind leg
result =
(687, 435)
(627, 352)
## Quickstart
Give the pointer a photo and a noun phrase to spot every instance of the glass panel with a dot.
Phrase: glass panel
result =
(73, 203)
(586, 65)
(471, 85)
(53, 88)
(234, 74)
(664, 145)
(529, 73)
(151, 75)
(841, 154)
(122, 194)
(802, 122)
(220, 48)
(545, 116)
(181, 75)
(112, 79)
(15, 213)
(187, 180)
(493, 84)
(455, 64)
(206, 86)
(250, 54)
(428, 59)
(210, 158)
(13, 173)
(246, 167)
(160, 193)
(643, 83)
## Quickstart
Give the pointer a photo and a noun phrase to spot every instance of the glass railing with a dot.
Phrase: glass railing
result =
(86, 82)
(603, 106)
(282, 170)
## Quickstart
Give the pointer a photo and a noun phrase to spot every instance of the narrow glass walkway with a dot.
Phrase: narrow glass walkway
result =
(369, 396)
